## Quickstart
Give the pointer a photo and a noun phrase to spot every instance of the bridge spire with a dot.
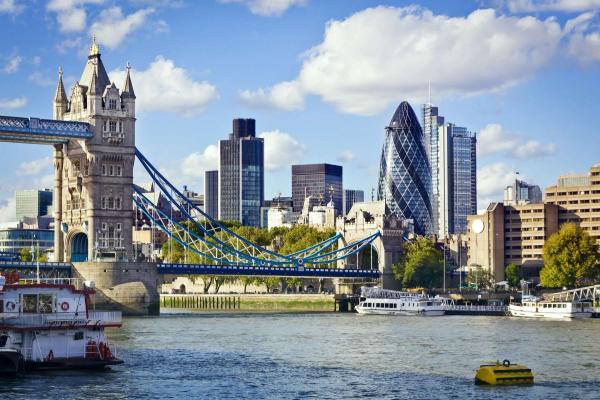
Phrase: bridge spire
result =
(60, 95)
(127, 91)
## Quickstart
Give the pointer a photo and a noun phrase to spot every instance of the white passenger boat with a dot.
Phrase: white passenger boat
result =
(532, 307)
(392, 302)
(48, 324)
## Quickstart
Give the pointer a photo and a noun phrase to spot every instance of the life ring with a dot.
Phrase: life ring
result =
(10, 305)
(64, 306)
(506, 363)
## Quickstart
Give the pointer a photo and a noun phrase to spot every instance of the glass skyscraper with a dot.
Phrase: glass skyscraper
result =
(241, 174)
(211, 193)
(33, 203)
(457, 166)
(352, 196)
(319, 181)
(404, 173)
(431, 122)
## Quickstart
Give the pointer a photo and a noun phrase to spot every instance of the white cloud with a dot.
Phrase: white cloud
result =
(165, 87)
(584, 37)
(71, 14)
(13, 104)
(34, 167)
(12, 65)
(68, 44)
(525, 6)
(346, 156)
(112, 26)
(382, 55)
(8, 210)
(491, 181)
(267, 8)
(10, 7)
(40, 79)
(281, 150)
(494, 140)
(286, 96)
(196, 164)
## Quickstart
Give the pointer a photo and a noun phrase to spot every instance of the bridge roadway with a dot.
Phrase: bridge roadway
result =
(206, 269)
(42, 131)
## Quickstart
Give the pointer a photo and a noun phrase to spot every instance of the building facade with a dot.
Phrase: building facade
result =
(241, 174)
(323, 181)
(17, 238)
(93, 178)
(578, 200)
(431, 123)
(33, 203)
(404, 172)
(211, 193)
(456, 180)
(352, 196)
(521, 192)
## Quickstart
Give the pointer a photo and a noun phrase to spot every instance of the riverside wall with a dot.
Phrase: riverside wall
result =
(131, 287)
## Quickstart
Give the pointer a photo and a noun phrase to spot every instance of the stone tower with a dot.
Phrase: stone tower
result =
(94, 177)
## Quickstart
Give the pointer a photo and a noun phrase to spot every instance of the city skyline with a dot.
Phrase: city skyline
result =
(513, 110)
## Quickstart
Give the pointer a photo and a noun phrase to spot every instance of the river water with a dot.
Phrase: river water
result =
(330, 356)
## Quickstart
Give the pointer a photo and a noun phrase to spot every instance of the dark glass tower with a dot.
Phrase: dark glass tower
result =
(211, 193)
(317, 180)
(241, 174)
(404, 173)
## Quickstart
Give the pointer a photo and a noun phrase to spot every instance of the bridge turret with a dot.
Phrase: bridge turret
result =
(94, 95)
(61, 103)
(128, 95)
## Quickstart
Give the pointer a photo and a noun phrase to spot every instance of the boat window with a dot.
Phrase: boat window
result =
(78, 336)
(3, 340)
(29, 303)
(46, 303)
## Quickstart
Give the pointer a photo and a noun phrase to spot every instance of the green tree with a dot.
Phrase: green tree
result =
(570, 256)
(513, 274)
(421, 265)
(25, 255)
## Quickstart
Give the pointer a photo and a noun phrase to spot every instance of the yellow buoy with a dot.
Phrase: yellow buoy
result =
(504, 374)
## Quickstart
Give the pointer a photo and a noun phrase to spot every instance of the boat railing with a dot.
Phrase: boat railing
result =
(476, 308)
(61, 319)
(378, 293)
(76, 282)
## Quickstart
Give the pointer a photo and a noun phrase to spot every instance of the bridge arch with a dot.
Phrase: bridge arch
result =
(79, 247)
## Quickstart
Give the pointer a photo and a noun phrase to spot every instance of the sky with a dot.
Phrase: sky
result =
(321, 78)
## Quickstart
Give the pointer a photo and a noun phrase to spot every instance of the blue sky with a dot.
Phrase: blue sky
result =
(322, 79)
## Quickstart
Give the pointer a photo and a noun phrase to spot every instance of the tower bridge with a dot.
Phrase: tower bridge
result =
(93, 138)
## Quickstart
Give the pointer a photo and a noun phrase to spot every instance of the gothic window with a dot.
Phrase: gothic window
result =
(112, 104)
(76, 167)
(110, 170)
(103, 169)
(111, 203)
(104, 226)
(113, 126)
(118, 226)
(118, 169)
(117, 203)
(103, 205)
(105, 126)
(120, 127)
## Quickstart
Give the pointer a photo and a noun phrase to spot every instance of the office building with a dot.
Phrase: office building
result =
(521, 192)
(211, 193)
(322, 181)
(33, 203)
(578, 200)
(241, 174)
(352, 196)
(456, 179)
(431, 123)
(404, 174)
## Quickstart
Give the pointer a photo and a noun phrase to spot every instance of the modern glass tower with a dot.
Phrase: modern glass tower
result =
(319, 180)
(211, 193)
(241, 174)
(431, 122)
(33, 203)
(404, 172)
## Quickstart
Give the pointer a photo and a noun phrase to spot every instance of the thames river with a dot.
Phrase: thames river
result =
(330, 356)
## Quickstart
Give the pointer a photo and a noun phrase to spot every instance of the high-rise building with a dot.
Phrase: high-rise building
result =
(352, 196)
(521, 192)
(33, 203)
(431, 122)
(211, 193)
(456, 180)
(404, 173)
(241, 174)
(323, 181)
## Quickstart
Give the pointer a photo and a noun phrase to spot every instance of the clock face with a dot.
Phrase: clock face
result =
(477, 226)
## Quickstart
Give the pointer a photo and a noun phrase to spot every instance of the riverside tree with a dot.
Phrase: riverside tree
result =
(570, 257)
(513, 274)
(421, 265)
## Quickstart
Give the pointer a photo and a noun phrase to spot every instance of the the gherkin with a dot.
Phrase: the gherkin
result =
(404, 173)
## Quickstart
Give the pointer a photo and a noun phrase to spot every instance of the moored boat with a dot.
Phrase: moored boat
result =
(392, 302)
(50, 324)
(531, 307)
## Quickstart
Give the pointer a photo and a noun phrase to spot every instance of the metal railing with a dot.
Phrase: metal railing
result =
(61, 319)
(479, 308)
(584, 293)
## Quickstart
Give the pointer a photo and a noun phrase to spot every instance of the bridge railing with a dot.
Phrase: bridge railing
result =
(584, 293)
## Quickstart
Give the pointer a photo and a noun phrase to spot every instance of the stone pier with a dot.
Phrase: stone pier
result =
(130, 287)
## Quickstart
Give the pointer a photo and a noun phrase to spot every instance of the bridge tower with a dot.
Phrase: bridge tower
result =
(93, 178)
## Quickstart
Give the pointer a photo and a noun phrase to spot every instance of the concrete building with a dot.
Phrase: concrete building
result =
(318, 181)
(211, 193)
(578, 200)
(456, 179)
(510, 234)
(280, 216)
(93, 179)
(33, 203)
(28, 235)
(352, 196)
(521, 192)
(241, 174)
(404, 173)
